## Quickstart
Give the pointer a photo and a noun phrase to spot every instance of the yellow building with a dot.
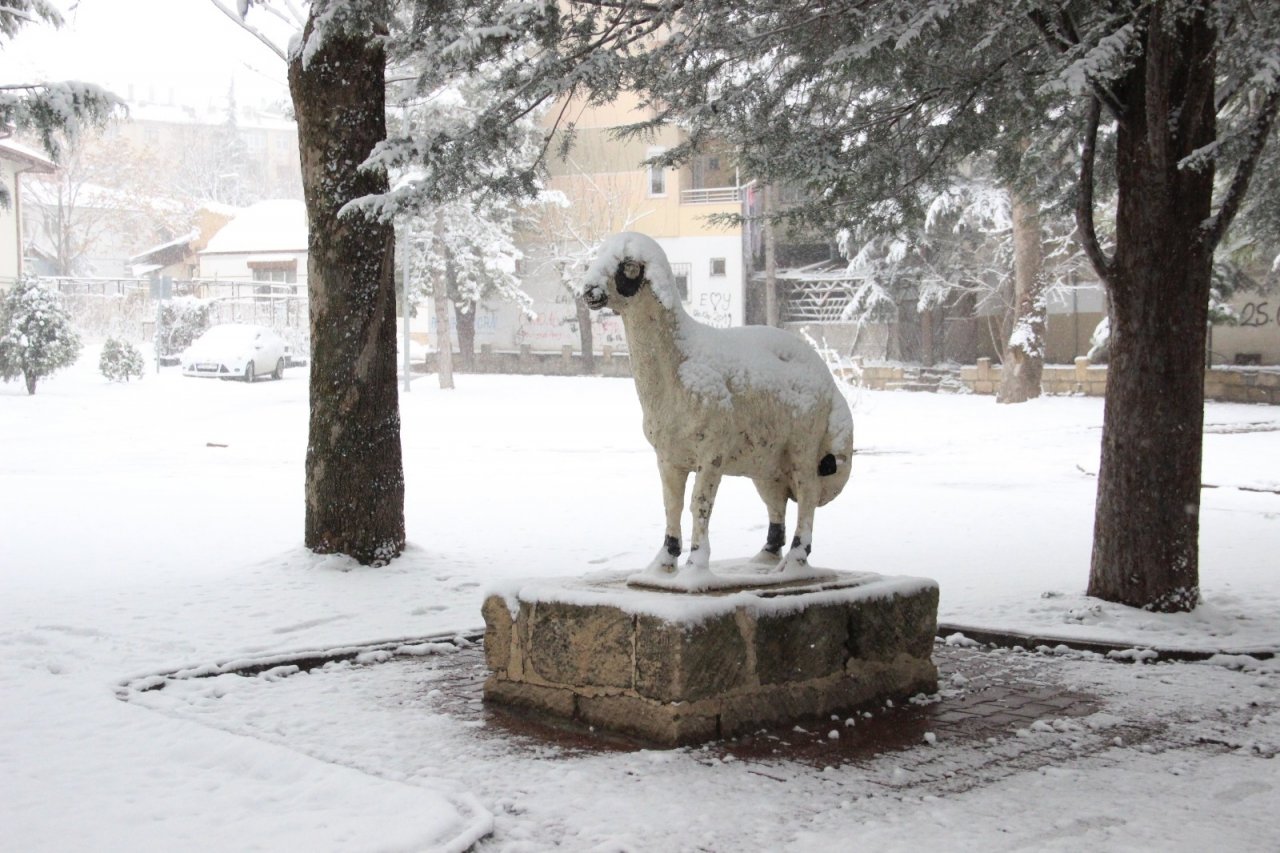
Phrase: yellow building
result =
(603, 187)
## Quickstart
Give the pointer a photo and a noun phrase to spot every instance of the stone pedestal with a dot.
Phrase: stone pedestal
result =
(677, 668)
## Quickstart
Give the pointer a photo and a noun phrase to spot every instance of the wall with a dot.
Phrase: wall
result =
(1257, 334)
(1233, 384)
(525, 361)
(10, 239)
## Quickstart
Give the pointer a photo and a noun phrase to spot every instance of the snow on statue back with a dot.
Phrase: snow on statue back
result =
(754, 402)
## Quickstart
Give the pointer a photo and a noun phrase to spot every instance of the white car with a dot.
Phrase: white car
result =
(236, 351)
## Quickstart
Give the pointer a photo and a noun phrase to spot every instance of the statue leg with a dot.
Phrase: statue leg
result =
(774, 494)
(705, 484)
(806, 502)
(673, 482)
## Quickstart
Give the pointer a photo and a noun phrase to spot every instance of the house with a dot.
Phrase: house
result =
(604, 187)
(15, 162)
(264, 243)
(179, 258)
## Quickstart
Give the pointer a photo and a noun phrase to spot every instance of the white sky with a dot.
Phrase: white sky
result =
(180, 50)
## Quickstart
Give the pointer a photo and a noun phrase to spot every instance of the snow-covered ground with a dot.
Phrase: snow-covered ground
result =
(150, 526)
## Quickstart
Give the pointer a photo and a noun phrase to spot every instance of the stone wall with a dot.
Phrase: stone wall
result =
(526, 361)
(1226, 384)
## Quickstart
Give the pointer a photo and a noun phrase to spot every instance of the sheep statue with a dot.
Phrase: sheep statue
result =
(753, 401)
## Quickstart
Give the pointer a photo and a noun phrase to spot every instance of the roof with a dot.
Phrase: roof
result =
(29, 157)
(176, 243)
(279, 225)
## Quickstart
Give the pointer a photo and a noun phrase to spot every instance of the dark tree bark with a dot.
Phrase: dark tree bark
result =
(1023, 363)
(1146, 530)
(354, 475)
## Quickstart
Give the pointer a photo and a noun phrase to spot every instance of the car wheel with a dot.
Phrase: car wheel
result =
(248, 372)
(278, 373)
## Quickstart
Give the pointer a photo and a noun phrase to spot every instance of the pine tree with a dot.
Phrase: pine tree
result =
(55, 112)
(36, 335)
(120, 360)
(870, 105)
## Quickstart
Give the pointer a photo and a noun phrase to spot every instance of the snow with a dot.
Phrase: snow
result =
(277, 225)
(132, 542)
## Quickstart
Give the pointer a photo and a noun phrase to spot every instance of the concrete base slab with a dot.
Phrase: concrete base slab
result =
(728, 575)
(679, 667)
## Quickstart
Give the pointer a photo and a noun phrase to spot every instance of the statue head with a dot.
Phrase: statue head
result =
(627, 265)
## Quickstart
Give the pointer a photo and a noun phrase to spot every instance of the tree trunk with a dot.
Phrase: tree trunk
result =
(466, 321)
(444, 342)
(30, 379)
(1146, 529)
(772, 312)
(354, 475)
(586, 335)
(1023, 363)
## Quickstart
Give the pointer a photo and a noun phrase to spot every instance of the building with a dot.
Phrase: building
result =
(603, 187)
(266, 243)
(16, 161)
(229, 151)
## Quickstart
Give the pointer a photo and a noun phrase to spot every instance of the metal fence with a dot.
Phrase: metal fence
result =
(127, 307)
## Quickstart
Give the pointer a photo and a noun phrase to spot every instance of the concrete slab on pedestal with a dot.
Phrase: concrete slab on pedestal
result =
(680, 667)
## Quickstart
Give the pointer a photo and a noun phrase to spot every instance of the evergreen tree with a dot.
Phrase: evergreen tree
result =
(870, 104)
(54, 112)
(36, 335)
(120, 360)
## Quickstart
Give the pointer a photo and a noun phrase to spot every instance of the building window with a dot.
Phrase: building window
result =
(657, 175)
(280, 276)
(717, 266)
(680, 273)
(274, 277)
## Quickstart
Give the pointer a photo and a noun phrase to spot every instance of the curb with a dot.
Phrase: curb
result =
(1112, 651)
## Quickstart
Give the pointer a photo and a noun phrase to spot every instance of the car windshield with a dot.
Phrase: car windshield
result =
(229, 334)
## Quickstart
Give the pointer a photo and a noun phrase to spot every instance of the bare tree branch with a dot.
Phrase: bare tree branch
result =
(1218, 224)
(252, 30)
(1104, 266)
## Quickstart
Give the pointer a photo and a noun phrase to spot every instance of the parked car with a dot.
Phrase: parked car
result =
(235, 351)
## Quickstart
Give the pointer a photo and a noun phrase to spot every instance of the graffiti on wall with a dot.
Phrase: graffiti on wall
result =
(713, 307)
(1258, 314)
(555, 325)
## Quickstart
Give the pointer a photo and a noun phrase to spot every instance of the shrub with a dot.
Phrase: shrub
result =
(182, 320)
(36, 335)
(120, 360)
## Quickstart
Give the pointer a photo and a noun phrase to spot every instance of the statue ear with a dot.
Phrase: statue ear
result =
(629, 278)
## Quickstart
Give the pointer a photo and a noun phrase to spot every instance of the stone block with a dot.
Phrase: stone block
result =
(881, 629)
(559, 701)
(653, 721)
(497, 633)
(793, 647)
(583, 646)
(684, 663)
(678, 667)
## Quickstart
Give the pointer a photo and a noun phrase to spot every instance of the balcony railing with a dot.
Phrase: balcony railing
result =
(712, 195)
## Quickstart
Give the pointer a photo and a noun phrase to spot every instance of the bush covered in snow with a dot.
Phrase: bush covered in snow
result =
(120, 360)
(36, 335)
(182, 320)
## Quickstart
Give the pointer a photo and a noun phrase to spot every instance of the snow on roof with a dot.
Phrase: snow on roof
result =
(174, 243)
(11, 150)
(279, 225)
(247, 117)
